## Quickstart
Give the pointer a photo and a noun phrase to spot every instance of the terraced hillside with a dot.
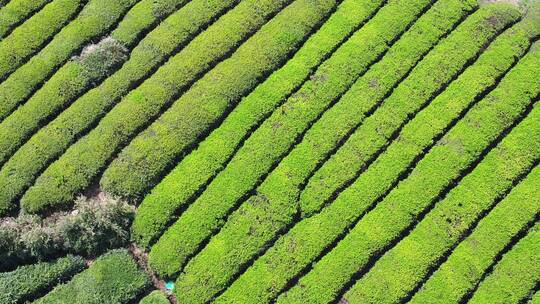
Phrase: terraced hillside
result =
(269, 151)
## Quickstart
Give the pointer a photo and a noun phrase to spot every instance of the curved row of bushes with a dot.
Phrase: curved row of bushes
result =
(287, 177)
(175, 191)
(466, 265)
(87, 158)
(142, 18)
(343, 167)
(30, 37)
(112, 278)
(95, 19)
(30, 282)
(155, 297)
(516, 276)
(268, 144)
(64, 86)
(50, 142)
(451, 219)
(461, 147)
(143, 162)
(77, 76)
(17, 12)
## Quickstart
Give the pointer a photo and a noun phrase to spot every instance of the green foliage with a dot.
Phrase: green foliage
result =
(466, 265)
(196, 169)
(452, 217)
(276, 135)
(51, 141)
(282, 186)
(112, 278)
(83, 161)
(444, 163)
(515, 275)
(342, 167)
(142, 163)
(156, 297)
(93, 227)
(29, 282)
(16, 12)
(94, 20)
(142, 17)
(29, 38)
(64, 86)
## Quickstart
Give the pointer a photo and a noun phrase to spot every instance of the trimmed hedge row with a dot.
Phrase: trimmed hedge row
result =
(16, 12)
(51, 141)
(77, 76)
(156, 297)
(84, 160)
(143, 162)
(342, 168)
(112, 278)
(93, 21)
(268, 144)
(64, 86)
(175, 191)
(291, 262)
(466, 265)
(29, 38)
(144, 16)
(280, 190)
(438, 170)
(515, 276)
(451, 218)
(29, 282)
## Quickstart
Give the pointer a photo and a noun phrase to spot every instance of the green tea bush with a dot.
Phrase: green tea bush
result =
(464, 144)
(515, 276)
(281, 188)
(29, 38)
(156, 297)
(95, 19)
(30, 282)
(17, 12)
(84, 160)
(175, 191)
(112, 278)
(451, 218)
(19, 173)
(455, 279)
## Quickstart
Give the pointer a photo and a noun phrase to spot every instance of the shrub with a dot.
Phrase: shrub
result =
(112, 278)
(30, 282)
(29, 38)
(515, 276)
(17, 12)
(440, 169)
(87, 158)
(94, 226)
(265, 221)
(48, 144)
(200, 166)
(65, 85)
(455, 279)
(156, 297)
(95, 19)
(451, 219)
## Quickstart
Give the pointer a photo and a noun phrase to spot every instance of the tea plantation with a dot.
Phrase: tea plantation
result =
(269, 151)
